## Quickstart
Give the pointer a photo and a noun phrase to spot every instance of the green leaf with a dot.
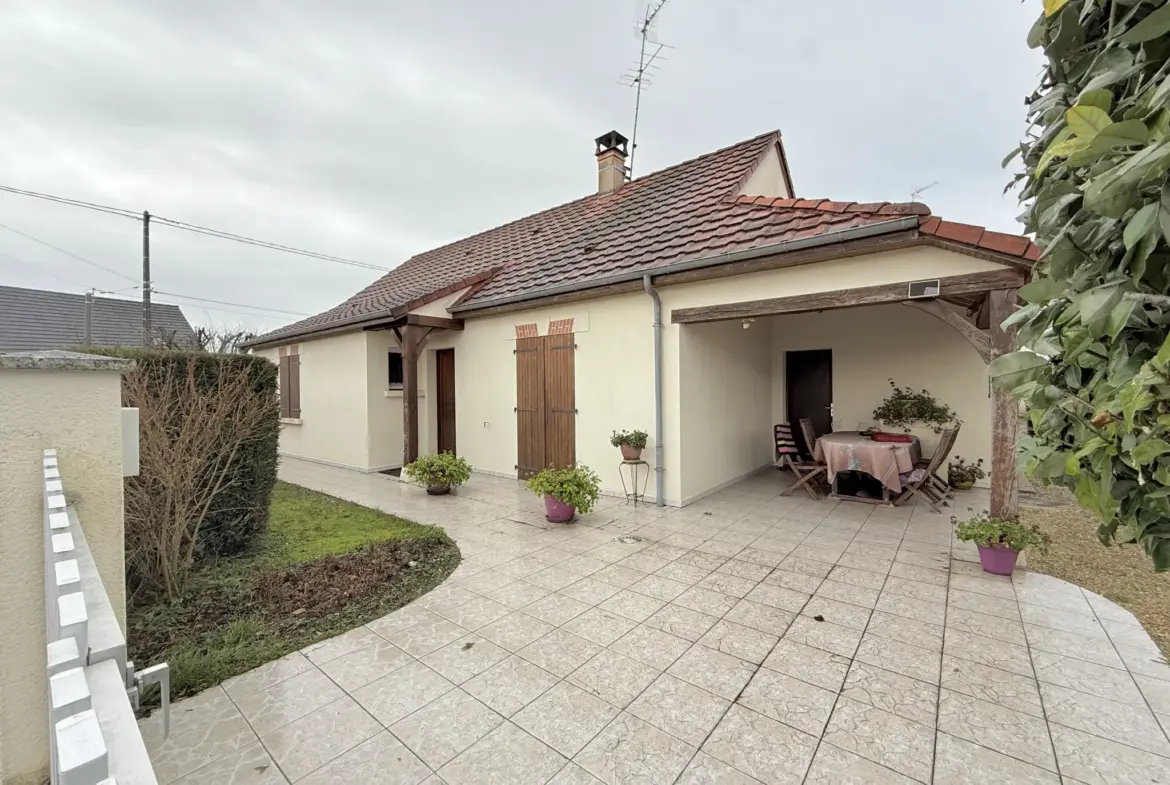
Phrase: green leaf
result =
(1127, 133)
(1042, 290)
(1111, 193)
(1087, 121)
(1011, 156)
(1063, 148)
(1052, 6)
(1140, 225)
(1017, 368)
(1164, 211)
(1102, 99)
(1163, 355)
(1156, 25)
(1150, 449)
(1119, 317)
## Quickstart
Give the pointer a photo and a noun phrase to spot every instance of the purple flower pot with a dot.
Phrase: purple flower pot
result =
(998, 559)
(557, 511)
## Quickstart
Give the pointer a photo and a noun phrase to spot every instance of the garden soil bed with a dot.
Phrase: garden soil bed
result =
(243, 612)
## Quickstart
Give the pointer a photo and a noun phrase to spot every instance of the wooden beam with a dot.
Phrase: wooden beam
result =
(844, 298)
(434, 322)
(980, 339)
(1005, 415)
(411, 334)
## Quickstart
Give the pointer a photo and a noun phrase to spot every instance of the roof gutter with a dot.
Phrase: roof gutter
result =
(829, 238)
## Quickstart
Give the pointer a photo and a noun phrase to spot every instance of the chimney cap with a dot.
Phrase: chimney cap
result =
(611, 141)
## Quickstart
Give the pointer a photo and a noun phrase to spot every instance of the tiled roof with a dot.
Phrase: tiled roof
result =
(688, 211)
(35, 319)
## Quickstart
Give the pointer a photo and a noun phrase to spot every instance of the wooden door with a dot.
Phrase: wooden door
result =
(809, 378)
(445, 381)
(529, 406)
(560, 432)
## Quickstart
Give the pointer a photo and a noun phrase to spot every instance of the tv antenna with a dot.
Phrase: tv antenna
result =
(918, 189)
(642, 75)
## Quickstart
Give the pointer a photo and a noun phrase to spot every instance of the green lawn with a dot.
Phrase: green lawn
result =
(322, 567)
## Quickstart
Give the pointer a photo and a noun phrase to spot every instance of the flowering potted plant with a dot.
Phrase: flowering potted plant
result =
(962, 475)
(1000, 541)
(439, 473)
(914, 412)
(566, 492)
(631, 442)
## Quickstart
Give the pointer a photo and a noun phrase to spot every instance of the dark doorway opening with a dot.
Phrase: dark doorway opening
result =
(445, 382)
(809, 378)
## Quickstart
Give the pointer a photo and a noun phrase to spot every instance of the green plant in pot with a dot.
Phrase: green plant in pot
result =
(1000, 541)
(566, 492)
(905, 407)
(439, 473)
(962, 475)
(631, 442)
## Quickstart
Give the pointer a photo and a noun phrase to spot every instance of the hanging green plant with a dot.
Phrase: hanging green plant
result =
(905, 407)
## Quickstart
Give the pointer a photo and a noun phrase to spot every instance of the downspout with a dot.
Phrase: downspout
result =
(659, 480)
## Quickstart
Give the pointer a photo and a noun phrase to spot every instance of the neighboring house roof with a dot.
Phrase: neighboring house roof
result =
(35, 319)
(689, 211)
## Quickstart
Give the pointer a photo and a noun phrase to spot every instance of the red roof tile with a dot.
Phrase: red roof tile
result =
(685, 212)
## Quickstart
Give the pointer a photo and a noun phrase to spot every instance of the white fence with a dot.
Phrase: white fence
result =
(93, 689)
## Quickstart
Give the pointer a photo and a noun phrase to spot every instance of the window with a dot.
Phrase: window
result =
(290, 384)
(395, 366)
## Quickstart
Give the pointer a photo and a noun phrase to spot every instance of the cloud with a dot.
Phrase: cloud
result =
(375, 130)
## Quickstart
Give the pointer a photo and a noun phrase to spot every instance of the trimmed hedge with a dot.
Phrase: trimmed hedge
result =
(240, 511)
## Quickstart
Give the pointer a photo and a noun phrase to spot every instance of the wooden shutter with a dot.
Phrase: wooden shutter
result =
(560, 400)
(285, 386)
(294, 386)
(529, 406)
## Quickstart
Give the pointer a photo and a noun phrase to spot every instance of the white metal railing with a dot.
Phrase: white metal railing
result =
(93, 689)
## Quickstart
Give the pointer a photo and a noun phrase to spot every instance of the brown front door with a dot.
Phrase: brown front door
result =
(546, 413)
(445, 381)
(809, 377)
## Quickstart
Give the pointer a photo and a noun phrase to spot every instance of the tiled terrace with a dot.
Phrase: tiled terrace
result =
(749, 638)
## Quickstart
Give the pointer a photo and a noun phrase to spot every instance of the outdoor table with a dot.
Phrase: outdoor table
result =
(844, 451)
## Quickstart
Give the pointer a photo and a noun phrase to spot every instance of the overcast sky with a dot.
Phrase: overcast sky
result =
(376, 129)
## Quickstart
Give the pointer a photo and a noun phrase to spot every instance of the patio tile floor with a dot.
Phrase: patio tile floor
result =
(748, 639)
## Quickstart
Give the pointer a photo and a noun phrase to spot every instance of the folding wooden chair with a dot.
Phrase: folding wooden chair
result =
(918, 483)
(788, 456)
(946, 443)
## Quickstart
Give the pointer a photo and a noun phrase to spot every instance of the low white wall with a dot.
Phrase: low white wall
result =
(872, 345)
(74, 407)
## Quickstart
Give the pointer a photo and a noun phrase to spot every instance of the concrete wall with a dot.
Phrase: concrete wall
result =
(725, 389)
(69, 406)
(872, 345)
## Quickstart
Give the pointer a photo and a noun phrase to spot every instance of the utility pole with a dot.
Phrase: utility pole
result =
(88, 317)
(146, 326)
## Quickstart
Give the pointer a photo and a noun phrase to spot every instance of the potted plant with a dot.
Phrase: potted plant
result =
(1000, 541)
(566, 492)
(439, 473)
(631, 442)
(905, 408)
(962, 475)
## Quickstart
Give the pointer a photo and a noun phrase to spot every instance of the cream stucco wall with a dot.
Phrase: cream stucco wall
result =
(77, 412)
(334, 410)
(768, 178)
(725, 394)
(872, 345)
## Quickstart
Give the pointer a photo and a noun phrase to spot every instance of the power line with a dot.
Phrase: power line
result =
(67, 253)
(32, 266)
(71, 202)
(225, 302)
(239, 238)
(190, 227)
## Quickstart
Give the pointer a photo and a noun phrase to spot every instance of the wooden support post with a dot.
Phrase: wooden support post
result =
(1005, 414)
(410, 352)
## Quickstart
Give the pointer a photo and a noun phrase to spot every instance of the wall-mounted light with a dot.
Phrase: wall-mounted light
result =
(747, 323)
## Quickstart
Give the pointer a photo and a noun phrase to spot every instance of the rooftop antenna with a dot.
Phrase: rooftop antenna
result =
(918, 189)
(647, 65)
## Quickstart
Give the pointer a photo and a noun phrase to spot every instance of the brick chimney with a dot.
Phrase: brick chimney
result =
(611, 162)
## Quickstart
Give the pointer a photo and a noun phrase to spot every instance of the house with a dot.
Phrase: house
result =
(702, 303)
(34, 320)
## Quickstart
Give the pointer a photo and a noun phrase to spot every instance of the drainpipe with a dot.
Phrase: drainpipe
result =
(659, 480)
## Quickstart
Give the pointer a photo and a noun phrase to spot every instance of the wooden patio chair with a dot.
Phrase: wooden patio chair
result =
(919, 483)
(946, 443)
(788, 457)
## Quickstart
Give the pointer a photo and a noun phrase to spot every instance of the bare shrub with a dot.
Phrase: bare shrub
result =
(192, 436)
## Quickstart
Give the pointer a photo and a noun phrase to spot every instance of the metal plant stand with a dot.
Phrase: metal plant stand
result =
(635, 470)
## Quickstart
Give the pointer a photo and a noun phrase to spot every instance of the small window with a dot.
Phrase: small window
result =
(395, 364)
